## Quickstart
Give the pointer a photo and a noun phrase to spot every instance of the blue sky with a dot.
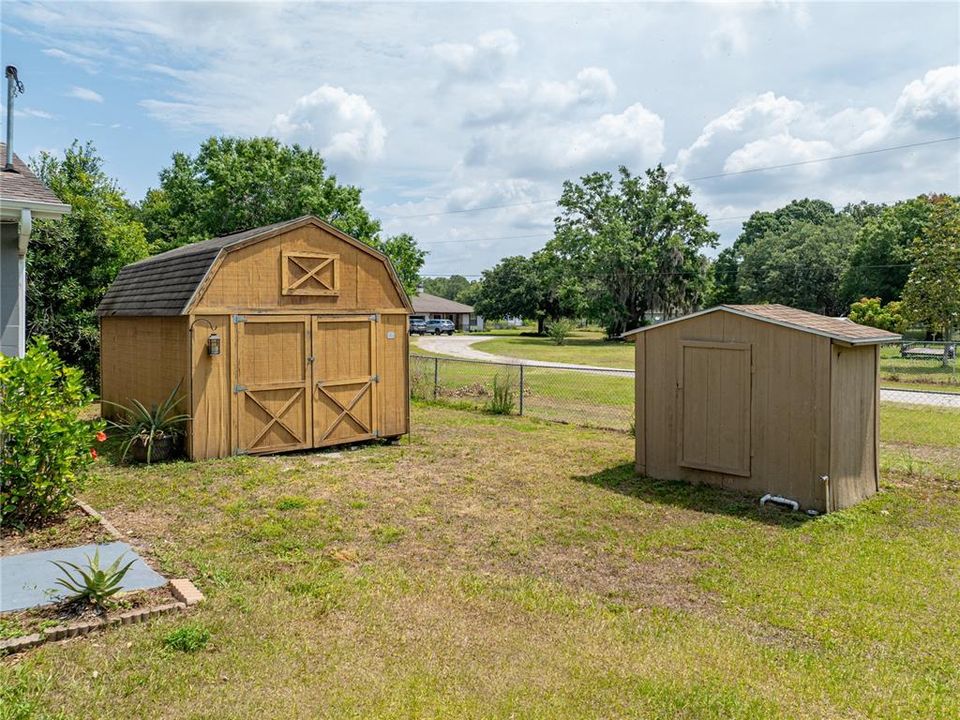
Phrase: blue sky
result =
(435, 109)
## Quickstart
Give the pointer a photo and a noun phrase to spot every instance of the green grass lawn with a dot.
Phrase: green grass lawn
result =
(582, 348)
(502, 567)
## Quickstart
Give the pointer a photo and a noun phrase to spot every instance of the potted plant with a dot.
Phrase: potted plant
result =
(151, 434)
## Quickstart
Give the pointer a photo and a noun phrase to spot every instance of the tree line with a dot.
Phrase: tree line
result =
(627, 249)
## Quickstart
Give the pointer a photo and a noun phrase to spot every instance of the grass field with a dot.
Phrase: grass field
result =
(582, 348)
(501, 567)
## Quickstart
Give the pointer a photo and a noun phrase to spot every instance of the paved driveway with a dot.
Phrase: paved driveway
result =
(461, 346)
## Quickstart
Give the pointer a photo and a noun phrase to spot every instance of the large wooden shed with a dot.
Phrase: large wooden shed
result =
(763, 399)
(284, 337)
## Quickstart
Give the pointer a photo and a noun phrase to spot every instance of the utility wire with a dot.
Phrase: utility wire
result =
(671, 272)
(706, 177)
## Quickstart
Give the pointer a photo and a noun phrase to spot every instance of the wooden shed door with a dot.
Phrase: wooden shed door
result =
(272, 383)
(714, 391)
(344, 379)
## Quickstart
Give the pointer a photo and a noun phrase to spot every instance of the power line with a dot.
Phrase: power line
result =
(825, 159)
(705, 177)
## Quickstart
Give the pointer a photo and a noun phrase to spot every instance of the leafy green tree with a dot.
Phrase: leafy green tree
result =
(801, 265)
(870, 311)
(235, 184)
(725, 284)
(636, 242)
(446, 287)
(71, 262)
(509, 289)
(406, 256)
(882, 257)
(931, 295)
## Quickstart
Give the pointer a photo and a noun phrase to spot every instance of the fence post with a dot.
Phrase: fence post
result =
(436, 376)
(521, 389)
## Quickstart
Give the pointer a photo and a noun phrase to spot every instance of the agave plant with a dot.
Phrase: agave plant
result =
(149, 426)
(92, 583)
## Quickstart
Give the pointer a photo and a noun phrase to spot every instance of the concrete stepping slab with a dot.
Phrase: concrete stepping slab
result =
(29, 579)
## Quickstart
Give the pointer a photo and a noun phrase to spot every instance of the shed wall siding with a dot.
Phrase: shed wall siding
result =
(393, 384)
(143, 358)
(251, 278)
(210, 429)
(789, 411)
(853, 471)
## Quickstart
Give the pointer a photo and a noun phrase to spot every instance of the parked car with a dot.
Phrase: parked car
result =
(418, 327)
(439, 327)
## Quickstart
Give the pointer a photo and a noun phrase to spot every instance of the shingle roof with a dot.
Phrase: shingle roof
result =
(22, 184)
(836, 328)
(165, 284)
(426, 303)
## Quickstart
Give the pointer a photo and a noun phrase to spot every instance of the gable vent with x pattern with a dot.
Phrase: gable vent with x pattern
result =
(310, 273)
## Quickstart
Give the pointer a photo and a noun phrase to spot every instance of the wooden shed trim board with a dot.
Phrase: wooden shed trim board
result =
(753, 312)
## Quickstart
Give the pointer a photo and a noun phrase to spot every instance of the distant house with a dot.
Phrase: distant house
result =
(23, 199)
(431, 307)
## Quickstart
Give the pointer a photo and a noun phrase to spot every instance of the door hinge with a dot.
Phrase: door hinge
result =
(375, 378)
(239, 388)
(239, 319)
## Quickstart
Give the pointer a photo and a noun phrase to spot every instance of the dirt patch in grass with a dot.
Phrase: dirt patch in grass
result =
(73, 527)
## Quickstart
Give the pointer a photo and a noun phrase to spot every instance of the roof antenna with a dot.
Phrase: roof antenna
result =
(14, 87)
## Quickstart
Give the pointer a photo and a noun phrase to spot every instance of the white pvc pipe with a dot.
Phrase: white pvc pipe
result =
(794, 505)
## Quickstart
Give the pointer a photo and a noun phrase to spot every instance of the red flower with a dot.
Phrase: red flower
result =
(93, 453)
(101, 436)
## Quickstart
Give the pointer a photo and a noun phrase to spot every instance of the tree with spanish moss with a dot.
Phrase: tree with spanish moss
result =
(635, 243)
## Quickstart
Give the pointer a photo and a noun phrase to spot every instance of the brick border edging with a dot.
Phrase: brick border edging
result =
(186, 593)
(106, 524)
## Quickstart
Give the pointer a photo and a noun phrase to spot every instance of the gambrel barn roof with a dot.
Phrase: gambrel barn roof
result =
(168, 283)
(839, 329)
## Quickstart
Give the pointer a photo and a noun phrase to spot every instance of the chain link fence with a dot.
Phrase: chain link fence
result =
(920, 409)
(593, 398)
(919, 398)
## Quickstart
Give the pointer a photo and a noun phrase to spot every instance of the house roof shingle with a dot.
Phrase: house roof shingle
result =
(426, 303)
(835, 328)
(165, 284)
(22, 184)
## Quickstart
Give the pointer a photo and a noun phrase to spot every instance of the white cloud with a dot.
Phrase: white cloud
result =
(33, 112)
(486, 56)
(729, 38)
(591, 85)
(341, 125)
(86, 94)
(71, 58)
(633, 137)
(933, 99)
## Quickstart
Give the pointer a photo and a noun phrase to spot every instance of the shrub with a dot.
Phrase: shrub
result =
(46, 447)
(869, 311)
(501, 402)
(559, 330)
(148, 426)
(92, 584)
(189, 638)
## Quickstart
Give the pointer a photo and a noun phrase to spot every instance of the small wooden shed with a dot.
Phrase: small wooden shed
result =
(284, 337)
(761, 399)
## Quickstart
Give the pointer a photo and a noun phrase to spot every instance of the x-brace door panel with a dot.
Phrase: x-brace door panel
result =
(345, 379)
(272, 383)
